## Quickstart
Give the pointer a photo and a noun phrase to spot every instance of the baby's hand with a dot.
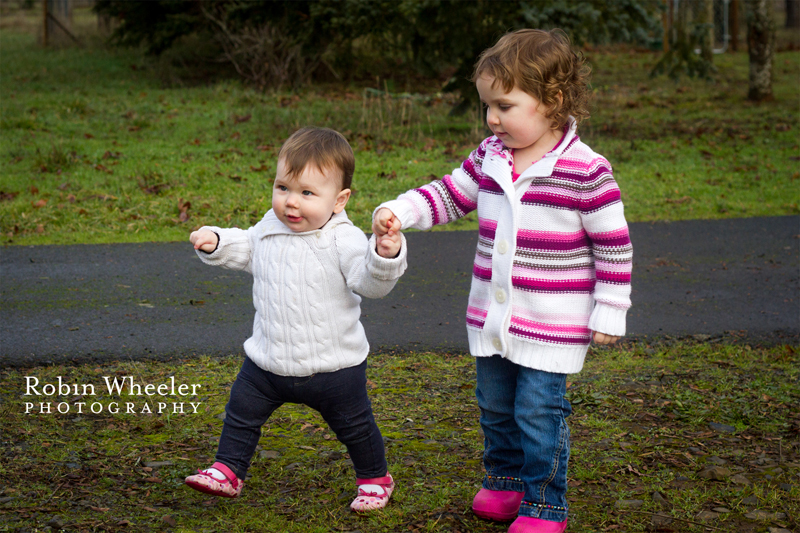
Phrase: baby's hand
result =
(204, 239)
(389, 245)
(385, 223)
(602, 338)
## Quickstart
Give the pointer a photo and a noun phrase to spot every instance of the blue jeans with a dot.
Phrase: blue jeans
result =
(526, 444)
(340, 397)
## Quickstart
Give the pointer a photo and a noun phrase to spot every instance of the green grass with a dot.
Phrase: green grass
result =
(640, 425)
(95, 148)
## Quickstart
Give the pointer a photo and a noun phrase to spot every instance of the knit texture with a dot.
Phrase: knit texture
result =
(553, 259)
(304, 291)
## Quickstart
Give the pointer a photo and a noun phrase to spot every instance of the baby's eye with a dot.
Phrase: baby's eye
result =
(504, 107)
(281, 188)
(307, 193)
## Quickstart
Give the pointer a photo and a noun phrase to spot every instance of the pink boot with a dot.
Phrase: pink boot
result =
(499, 505)
(526, 524)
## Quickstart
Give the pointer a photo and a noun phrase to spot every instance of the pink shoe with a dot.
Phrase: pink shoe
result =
(526, 524)
(373, 493)
(499, 505)
(205, 482)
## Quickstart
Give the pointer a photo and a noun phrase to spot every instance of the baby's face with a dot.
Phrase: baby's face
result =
(307, 201)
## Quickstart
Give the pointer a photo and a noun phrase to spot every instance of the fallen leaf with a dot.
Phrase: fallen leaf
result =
(39, 203)
(88, 135)
(169, 520)
(34, 189)
(98, 509)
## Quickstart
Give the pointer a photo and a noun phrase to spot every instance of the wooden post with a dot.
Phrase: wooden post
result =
(665, 24)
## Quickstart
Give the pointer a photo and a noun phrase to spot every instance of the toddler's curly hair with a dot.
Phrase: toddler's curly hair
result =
(543, 64)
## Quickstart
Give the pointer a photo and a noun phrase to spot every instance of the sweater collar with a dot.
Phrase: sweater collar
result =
(501, 162)
(271, 225)
(567, 137)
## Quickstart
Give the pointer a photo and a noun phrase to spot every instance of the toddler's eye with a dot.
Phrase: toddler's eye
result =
(505, 107)
(307, 193)
(281, 188)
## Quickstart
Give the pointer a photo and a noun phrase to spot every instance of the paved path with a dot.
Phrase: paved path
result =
(99, 302)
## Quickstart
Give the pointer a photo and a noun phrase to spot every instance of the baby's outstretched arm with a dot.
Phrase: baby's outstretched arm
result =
(205, 240)
(385, 223)
(389, 245)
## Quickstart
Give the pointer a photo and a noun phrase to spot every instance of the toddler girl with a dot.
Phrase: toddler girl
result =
(552, 268)
(308, 346)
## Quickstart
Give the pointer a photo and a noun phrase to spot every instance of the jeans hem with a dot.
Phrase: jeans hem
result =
(514, 484)
(553, 513)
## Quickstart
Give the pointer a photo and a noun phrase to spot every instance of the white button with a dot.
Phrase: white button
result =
(319, 234)
(497, 344)
(500, 295)
(502, 247)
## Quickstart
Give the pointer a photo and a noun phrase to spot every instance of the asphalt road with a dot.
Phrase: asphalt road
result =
(80, 303)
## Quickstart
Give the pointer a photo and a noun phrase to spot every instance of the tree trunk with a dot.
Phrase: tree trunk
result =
(705, 15)
(733, 24)
(793, 13)
(761, 48)
(58, 21)
(682, 25)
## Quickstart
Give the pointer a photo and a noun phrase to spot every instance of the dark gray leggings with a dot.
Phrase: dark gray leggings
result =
(340, 397)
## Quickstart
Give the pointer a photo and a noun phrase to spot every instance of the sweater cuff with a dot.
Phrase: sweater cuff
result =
(232, 249)
(403, 210)
(609, 320)
(384, 268)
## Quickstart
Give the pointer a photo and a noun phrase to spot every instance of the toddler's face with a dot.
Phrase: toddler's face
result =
(308, 200)
(516, 118)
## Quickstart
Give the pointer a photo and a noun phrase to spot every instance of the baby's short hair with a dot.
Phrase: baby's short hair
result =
(322, 147)
(543, 64)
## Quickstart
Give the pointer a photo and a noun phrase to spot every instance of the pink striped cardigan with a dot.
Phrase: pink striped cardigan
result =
(553, 261)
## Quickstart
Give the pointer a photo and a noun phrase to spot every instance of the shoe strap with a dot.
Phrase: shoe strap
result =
(228, 473)
(385, 480)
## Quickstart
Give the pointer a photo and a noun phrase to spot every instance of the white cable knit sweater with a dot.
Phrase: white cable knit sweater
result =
(304, 291)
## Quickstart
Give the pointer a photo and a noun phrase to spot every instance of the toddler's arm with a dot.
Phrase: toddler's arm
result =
(368, 273)
(603, 218)
(438, 202)
(225, 247)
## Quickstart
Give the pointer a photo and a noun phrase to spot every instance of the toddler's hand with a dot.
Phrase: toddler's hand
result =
(602, 338)
(385, 223)
(204, 239)
(389, 245)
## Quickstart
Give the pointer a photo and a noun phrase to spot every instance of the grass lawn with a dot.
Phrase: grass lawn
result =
(94, 148)
(670, 436)
(646, 454)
